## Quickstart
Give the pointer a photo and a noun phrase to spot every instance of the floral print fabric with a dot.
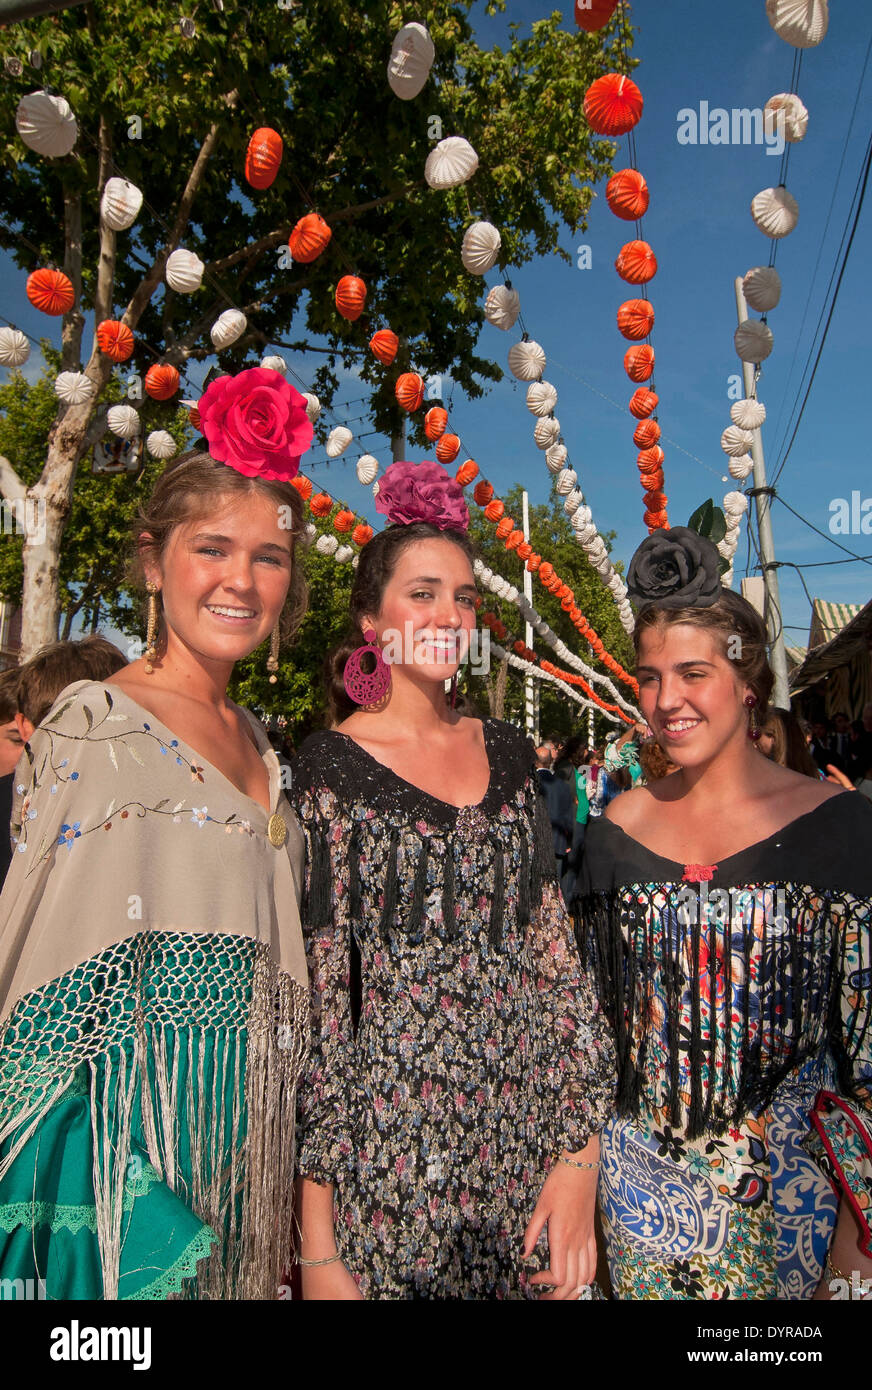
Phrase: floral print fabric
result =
(479, 1053)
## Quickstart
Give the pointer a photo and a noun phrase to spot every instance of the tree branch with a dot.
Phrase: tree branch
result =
(74, 321)
(11, 486)
(106, 263)
(151, 280)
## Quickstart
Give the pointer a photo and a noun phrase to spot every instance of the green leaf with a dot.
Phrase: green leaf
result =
(702, 518)
(718, 528)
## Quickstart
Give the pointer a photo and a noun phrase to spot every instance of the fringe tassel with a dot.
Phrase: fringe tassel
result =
(544, 866)
(389, 902)
(449, 914)
(318, 896)
(498, 901)
(354, 890)
(524, 881)
(416, 911)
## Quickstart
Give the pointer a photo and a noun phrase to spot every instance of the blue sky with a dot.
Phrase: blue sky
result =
(701, 230)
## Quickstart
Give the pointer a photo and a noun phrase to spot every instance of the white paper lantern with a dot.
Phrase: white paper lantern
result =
(481, 247)
(586, 534)
(603, 567)
(786, 115)
(343, 554)
(726, 548)
(740, 468)
(541, 398)
(73, 388)
(502, 307)
(412, 54)
(313, 405)
(338, 441)
(748, 414)
(46, 124)
(573, 501)
(566, 481)
(184, 271)
(326, 544)
(308, 534)
(123, 420)
(228, 327)
(735, 503)
(615, 584)
(526, 360)
(775, 212)
(736, 441)
(802, 23)
(753, 340)
(555, 457)
(367, 469)
(274, 364)
(451, 163)
(541, 627)
(582, 517)
(762, 288)
(14, 347)
(120, 204)
(161, 445)
(546, 432)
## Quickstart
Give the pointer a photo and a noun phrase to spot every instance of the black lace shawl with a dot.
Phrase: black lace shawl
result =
(714, 1004)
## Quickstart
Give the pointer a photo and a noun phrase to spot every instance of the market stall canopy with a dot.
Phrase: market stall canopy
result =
(840, 638)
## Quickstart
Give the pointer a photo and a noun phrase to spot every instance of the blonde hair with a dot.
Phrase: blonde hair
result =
(188, 490)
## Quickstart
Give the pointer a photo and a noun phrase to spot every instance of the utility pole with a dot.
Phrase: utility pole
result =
(530, 713)
(763, 499)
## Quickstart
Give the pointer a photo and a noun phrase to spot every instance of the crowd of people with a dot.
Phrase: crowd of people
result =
(410, 1023)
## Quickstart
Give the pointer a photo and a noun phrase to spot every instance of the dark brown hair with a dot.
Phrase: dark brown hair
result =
(59, 664)
(8, 694)
(377, 562)
(731, 617)
(789, 747)
(188, 490)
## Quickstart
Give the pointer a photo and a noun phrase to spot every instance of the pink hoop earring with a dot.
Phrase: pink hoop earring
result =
(366, 687)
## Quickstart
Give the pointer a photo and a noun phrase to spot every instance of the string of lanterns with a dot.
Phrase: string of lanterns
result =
(775, 212)
(541, 673)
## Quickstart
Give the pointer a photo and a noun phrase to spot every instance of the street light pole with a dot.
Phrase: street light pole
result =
(763, 495)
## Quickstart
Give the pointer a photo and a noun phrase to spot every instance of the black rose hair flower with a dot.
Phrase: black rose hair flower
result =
(675, 569)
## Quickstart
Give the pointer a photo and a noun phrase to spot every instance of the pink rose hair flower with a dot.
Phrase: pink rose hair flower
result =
(411, 492)
(256, 422)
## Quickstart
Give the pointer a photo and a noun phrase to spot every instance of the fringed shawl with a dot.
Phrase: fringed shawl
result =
(719, 990)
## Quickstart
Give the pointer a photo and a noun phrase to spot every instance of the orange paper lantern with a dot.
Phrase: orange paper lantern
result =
(639, 362)
(655, 501)
(309, 238)
(494, 510)
(627, 195)
(50, 291)
(343, 520)
(534, 562)
(350, 297)
(448, 448)
(612, 104)
(466, 472)
(362, 533)
(384, 345)
(409, 390)
(646, 433)
(303, 486)
(161, 381)
(525, 550)
(263, 157)
(546, 570)
(482, 493)
(651, 480)
(643, 403)
(636, 263)
(115, 339)
(635, 319)
(435, 421)
(194, 417)
(321, 504)
(591, 15)
(653, 520)
(505, 526)
(650, 458)
(513, 539)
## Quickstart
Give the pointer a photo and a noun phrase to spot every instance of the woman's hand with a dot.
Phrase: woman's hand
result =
(835, 775)
(566, 1205)
(329, 1283)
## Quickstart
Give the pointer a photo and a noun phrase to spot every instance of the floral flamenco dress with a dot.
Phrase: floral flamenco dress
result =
(457, 1045)
(153, 1016)
(738, 992)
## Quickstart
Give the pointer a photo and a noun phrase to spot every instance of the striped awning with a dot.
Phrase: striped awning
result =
(846, 658)
(829, 618)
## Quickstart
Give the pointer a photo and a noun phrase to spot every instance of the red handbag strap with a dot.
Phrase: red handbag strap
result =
(828, 1100)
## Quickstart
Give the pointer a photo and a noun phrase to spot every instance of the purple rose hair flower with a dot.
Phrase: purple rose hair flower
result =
(411, 492)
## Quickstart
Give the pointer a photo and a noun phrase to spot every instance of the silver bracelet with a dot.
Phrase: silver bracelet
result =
(574, 1163)
(313, 1264)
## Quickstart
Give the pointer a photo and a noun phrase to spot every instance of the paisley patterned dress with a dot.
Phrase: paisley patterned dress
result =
(738, 992)
(458, 1046)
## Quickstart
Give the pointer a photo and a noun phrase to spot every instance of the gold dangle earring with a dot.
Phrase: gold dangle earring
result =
(272, 664)
(151, 631)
